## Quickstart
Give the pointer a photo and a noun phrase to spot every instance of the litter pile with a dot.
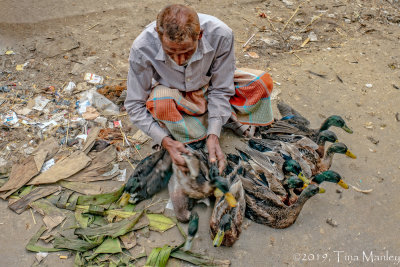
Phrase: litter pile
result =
(58, 143)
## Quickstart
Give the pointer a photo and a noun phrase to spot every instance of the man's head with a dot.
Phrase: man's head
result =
(178, 28)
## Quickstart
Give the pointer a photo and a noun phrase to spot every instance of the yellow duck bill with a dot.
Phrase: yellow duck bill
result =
(350, 155)
(343, 184)
(303, 178)
(219, 237)
(124, 199)
(321, 190)
(347, 129)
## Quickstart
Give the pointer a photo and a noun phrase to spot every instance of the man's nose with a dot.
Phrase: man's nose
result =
(179, 59)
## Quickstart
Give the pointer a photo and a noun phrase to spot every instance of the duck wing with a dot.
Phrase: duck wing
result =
(287, 111)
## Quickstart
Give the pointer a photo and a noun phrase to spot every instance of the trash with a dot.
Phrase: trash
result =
(296, 38)
(101, 121)
(101, 199)
(122, 176)
(47, 165)
(253, 54)
(313, 37)
(100, 102)
(63, 257)
(21, 67)
(10, 118)
(331, 222)
(368, 85)
(9, 52)
(90, 113)
(69, 88)
(40, 103)
(24, 111)
(92, 78)
(41, 255)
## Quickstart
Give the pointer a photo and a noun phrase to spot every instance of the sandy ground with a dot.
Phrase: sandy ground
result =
(358, 41)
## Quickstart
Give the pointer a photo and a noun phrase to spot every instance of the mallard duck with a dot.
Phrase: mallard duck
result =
(290, 124)
(265, 207)
(192, 230)
(151, 175)
(198, 183)
(329, 176)
(226, 221)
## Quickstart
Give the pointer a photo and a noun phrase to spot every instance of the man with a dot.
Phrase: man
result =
(181, 84)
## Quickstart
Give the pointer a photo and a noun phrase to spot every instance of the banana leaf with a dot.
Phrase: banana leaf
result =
(31, 246)
(159, 222)
(113, 229)
(76, 244)
(159, 256)
(110, 245)
(101, 199)
(199, 259)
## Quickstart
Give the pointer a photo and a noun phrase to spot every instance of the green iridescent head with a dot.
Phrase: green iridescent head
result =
(294, 182)
(326, 136)
(335, 120)
(340, 148)
(292, 166)
(310, 191)
(330, 176)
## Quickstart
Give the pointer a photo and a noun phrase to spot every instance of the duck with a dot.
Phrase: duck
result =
(305, 153)
(293, 123)
(265, 207)
(226, 221)
(150, 176)
(199, 183)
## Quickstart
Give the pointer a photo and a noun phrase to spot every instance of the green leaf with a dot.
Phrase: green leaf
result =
(113, 229)
(101, 199)
(159, 222)
(75, 244)
(159, 256)
(110, 245)
(199, 259)
(31, 244)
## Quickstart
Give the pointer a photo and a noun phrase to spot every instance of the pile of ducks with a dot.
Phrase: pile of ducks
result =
(268, 181)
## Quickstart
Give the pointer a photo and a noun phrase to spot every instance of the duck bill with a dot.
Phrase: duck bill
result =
(219, 237)
(124, 200)
(343, 184)
(218, 193)
(303, 178)
(350, 155)
(321, 190)
(230, 199)
(347, 129)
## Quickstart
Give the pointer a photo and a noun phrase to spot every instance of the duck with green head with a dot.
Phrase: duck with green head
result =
(336, 148)
(226, 221)
(192, 230)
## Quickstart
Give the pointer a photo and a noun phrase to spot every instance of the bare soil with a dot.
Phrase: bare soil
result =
(358, 43)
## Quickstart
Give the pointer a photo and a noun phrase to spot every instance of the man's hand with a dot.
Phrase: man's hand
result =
(215, 152)
(175, 148)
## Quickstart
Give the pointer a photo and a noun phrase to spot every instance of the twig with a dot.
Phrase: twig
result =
(138, 152)
(127, 160)
(155, 203)
(272, 25)
(108, 63)
(116, 79)
(91, 27)
(312, 21)
(295, 51)
(248, 41)
(294, 13)
(66, 139)
(33, 217)
(298, 57)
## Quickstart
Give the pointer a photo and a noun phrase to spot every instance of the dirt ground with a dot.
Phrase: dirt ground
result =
(357, 54)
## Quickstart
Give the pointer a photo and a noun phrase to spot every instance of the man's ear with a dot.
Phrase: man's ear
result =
(200, 34)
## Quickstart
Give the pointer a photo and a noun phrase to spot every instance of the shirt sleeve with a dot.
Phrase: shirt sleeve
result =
(138, 90)
(221, 86)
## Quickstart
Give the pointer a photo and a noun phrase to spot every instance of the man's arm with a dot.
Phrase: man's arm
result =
(138, 91)
(220, 91)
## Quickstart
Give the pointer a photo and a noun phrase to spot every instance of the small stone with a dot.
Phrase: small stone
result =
(313, 37)
(296, 38)
(331, 222)
(373, 140)
(368, 85)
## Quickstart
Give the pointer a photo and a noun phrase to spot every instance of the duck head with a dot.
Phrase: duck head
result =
(326, 136)
(335, 120)
(224, 225)
(294, 182)
(292, 166)
(330, 176)
(340, 148)
(310, 191)
(221, 184)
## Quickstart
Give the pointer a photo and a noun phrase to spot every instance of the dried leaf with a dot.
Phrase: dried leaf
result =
(253, 54)
(31, 244)
(367, 191)
(101, 199)
(110, 245)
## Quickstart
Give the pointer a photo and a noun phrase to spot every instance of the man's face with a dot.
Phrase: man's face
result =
(180, 52)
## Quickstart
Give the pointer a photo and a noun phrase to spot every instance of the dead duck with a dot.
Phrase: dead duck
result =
(151, 175)
(226, 221)
(265, 207)
(196, 184)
